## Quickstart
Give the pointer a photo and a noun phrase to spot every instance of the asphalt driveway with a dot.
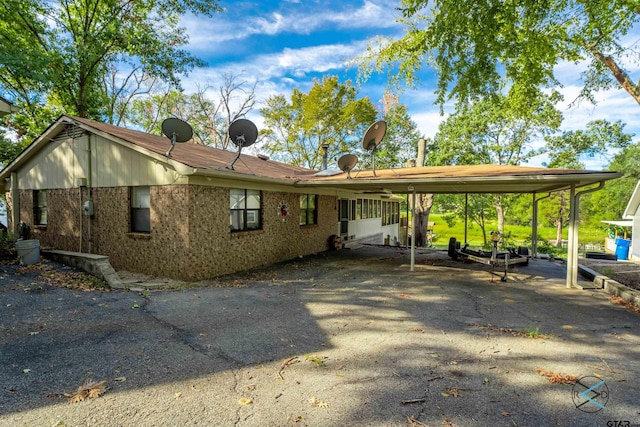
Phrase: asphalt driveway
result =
(342, 338)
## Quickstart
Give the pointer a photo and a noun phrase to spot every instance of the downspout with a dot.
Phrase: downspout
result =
(89, 196)
(534, 225)
(81, 215)
(15, 200)
(572, 254)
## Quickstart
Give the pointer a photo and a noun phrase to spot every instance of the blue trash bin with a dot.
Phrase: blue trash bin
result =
(622, 249)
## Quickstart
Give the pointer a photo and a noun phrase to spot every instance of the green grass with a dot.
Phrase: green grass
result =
(519, 235)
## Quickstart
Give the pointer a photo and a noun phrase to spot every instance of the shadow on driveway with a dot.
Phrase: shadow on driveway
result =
(341, 338)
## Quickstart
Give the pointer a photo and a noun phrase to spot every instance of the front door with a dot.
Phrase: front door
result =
(343, 217)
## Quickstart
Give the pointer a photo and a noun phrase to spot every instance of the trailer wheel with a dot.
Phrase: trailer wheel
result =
(452, 252)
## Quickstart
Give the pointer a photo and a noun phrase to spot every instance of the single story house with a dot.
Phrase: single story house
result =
(632, 212)
(87, 186)
(91, 187)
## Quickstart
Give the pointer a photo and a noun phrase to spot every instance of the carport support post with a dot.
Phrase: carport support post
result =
(413, 233)
(571, 254)
(466, 215)
(15, 204)
(574, 215)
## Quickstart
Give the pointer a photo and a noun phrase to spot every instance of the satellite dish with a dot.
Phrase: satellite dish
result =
(243, 133)
(177, 131)
(373, 138)
(346, 163)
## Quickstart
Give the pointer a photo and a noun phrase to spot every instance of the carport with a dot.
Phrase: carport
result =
(469, 179)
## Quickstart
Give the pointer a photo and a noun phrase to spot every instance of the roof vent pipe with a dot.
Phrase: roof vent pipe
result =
(325, 149)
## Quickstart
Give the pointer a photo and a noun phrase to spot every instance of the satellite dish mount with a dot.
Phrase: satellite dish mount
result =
(346, 163)
(243, 133)
(177, 131)
(373, 138)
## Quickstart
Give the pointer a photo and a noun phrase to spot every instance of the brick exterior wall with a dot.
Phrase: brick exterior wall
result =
(190, 237)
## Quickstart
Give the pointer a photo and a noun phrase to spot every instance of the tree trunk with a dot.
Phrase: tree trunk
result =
(559, 231)
(422, 211)
(560, 219)
(500, 214)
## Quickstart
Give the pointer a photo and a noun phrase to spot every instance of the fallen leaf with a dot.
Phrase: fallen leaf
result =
(88, 390)
(26, 371)
(120, 379)
(178, 394)
(245, 401)
(506, 414)
(318, 403)
(453, 392)
(557, 378)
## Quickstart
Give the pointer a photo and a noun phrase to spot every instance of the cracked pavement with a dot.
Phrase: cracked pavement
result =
(341, 338)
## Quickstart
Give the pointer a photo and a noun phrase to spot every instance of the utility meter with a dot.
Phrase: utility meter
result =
(87, 208)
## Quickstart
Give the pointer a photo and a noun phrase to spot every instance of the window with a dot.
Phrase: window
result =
(40, 207)
(140, 210)
(359, 209)
(308, 209)
(365, 208)
(246, 210)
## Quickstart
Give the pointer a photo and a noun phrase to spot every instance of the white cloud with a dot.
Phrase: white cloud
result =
(275, 70)
(206, 33)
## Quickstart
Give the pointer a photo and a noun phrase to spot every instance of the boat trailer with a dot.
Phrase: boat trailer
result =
(495, 258)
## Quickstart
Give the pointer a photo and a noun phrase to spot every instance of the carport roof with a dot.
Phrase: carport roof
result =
(462, 179)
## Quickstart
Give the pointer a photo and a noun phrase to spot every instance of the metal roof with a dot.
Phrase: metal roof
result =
(464, 179)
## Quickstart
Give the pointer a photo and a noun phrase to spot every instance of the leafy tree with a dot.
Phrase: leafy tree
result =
(610, 202)
(400, 140)
(489, 131)
(63, 52)
(567, 151)
(598, 139)
(478, 209)
(209, 117)
(474, 48)
(330, 114)
(8, 150)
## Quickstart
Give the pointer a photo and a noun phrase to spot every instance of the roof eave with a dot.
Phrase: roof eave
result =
(634, 202)
(546, 183)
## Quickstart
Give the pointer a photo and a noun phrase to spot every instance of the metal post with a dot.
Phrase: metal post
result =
(571, 260)
(466, 215)
(413, 233)
(15, 205)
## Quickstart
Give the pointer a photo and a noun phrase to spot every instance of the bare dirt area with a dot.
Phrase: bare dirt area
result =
(624, 272)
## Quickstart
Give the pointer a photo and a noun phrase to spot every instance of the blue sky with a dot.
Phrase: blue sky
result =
(282, 45)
